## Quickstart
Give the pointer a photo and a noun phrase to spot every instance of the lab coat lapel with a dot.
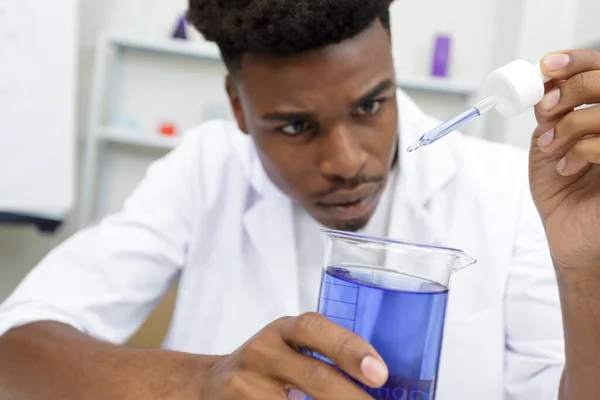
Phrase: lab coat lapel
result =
(268, 222)
(423, 173)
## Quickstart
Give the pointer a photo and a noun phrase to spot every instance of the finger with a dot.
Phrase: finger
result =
(548, 86)
(547, 119)
(566, 64)
(588, 149)
(347, 350)
(562, 66)
(545, 122)
(316, 378)
(571, 128)
(584, 153)
(581, 89)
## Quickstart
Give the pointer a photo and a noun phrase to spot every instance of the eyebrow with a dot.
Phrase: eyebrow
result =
(376, 91)
(289, 116)
(308, 116)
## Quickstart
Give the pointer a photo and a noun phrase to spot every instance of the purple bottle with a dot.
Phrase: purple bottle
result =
(441, 56)
(180, 29)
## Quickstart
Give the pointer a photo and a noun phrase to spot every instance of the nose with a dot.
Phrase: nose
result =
(341, 154)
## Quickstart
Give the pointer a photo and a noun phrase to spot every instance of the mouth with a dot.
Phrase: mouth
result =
(350, 205)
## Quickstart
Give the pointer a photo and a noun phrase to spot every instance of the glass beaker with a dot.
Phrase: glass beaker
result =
(394, 295)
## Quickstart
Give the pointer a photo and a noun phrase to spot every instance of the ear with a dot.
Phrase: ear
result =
(236, 104)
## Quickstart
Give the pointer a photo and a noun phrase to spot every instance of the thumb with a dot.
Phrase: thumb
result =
(295, 395)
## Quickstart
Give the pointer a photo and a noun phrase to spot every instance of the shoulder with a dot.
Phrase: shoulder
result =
(215, 141)
(213, 149)
(219, 160)
(206, 150)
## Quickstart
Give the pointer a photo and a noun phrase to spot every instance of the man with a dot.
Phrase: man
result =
(235, 216)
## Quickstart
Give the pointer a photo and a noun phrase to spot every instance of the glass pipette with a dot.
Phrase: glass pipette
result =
(512, 89)
(454, 123)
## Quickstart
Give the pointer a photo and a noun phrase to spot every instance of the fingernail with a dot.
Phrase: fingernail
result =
(562, 164)
(374, 370)
(546, 138)
(556, 62)
(571, 166)
(550, 100)
(295, 395)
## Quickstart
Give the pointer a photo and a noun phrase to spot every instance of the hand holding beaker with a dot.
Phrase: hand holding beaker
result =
(271, 363)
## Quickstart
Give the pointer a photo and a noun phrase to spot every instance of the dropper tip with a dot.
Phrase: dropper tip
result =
(415, 146)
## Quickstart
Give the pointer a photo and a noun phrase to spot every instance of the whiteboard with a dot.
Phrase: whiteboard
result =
(38, 75)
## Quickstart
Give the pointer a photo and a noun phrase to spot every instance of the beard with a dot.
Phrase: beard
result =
(351, 226)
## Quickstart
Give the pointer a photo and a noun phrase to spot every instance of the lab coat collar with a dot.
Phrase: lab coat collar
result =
(423, 174)
(268, 222)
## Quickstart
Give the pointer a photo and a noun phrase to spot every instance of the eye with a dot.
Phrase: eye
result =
(295, 128)
(369, 107)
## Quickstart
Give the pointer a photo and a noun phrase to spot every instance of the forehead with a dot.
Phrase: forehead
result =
(347, 69)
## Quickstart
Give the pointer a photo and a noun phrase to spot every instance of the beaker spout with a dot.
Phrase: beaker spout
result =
(462, 261)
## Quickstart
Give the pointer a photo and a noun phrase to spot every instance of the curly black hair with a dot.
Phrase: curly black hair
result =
(282, 27)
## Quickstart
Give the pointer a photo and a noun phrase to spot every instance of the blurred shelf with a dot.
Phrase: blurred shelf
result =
(129, 137)
(107, 84)
(436, 85)
(176, 47)
(209, 51)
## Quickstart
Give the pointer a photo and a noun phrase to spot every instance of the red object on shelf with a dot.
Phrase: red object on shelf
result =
(168, 129)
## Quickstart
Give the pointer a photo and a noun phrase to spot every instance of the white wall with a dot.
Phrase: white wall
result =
(587, 27)
(33, 180)
(415, 25)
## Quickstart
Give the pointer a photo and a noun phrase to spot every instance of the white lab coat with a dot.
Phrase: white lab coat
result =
(207, 216)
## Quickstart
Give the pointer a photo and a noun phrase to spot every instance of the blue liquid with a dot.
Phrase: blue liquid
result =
(401, 316)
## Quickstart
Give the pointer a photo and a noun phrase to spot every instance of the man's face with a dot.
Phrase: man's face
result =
(324, 124)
